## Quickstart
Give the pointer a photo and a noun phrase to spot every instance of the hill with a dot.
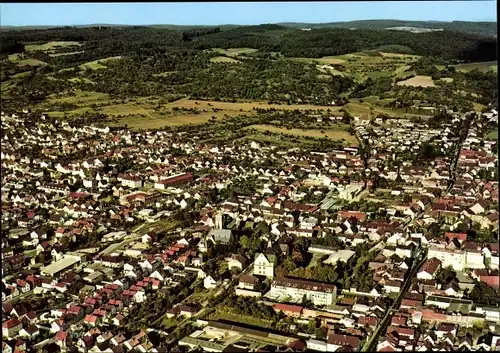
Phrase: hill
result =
(486, 28)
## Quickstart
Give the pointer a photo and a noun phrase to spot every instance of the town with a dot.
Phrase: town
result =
(115, 240)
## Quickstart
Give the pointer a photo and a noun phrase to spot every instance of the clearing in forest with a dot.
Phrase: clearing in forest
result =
(224, 59)
(50, 46)
(64, 54)
(482, 66)
(418, 81)
(98, 64)
(235, 51)
(316, 133)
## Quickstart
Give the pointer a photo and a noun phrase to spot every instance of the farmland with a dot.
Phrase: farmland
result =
(418, 81)
(50, 46)
(331, 134)
(224, 59)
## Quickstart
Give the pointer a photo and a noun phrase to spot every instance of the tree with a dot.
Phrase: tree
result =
(445, 275)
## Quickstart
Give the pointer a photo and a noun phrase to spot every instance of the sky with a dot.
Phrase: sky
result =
(243, 13)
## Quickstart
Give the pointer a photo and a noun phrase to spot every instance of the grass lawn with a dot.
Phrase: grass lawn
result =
(316, 133)
(418, 81)
(224, 59)
(226, 313)
(493, 135)
(315, 260)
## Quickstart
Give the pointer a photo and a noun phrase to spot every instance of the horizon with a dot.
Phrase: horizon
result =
(241, 13)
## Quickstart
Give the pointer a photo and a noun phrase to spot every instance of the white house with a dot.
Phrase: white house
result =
(264, 265)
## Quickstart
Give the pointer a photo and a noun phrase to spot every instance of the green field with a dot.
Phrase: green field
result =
(482, 66)
(331, 134)
(50, 46)
(235, 51)
(98, 64)
(493, 135)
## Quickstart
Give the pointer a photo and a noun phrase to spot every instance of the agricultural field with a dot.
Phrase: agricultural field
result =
(365, 111)
(22, 60)
(482, 66)
(50, 46)
(363, 65)
(329, 133)
(418, 81)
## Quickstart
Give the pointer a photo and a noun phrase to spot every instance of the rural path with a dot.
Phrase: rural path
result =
(148, 114)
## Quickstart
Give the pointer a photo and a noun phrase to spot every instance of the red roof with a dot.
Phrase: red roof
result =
(461, 237)
(61, 336)
(430, 266)
(288, 308)
(492, 281)
(344, 340)
(11, 323)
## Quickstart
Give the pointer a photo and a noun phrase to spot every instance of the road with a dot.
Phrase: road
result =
(373, 340)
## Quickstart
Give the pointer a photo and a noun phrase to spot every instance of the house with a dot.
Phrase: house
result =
(289, 310)
(62, 339)
(429, 269)
(336, 341)
(6, 348)
(264, 265)
(11, 327)
(29, 332)
(223, 236)
(209, 282)
(248, 282)
(238, 261)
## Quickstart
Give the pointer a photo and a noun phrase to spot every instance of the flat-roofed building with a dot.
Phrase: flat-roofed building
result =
(295, 289)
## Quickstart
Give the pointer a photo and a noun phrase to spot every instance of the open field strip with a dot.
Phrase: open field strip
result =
(98, 64)
(331, 134)
(244, 106)
(224, 59)
(234, 51)
(363, 111)
(481, 66)
(50, 46)
(63, 54)
(418, 81)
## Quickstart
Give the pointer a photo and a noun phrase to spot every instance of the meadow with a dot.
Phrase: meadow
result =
(332, 134)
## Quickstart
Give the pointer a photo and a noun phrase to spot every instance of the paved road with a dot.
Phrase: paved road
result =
(370, 345)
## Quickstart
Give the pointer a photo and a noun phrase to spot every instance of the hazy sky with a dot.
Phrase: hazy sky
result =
(241, 13)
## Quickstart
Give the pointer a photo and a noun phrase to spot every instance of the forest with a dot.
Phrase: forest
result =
(291, 42)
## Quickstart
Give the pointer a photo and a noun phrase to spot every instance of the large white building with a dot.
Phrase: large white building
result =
(295, 289)
(458, 259)
(453, 258)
